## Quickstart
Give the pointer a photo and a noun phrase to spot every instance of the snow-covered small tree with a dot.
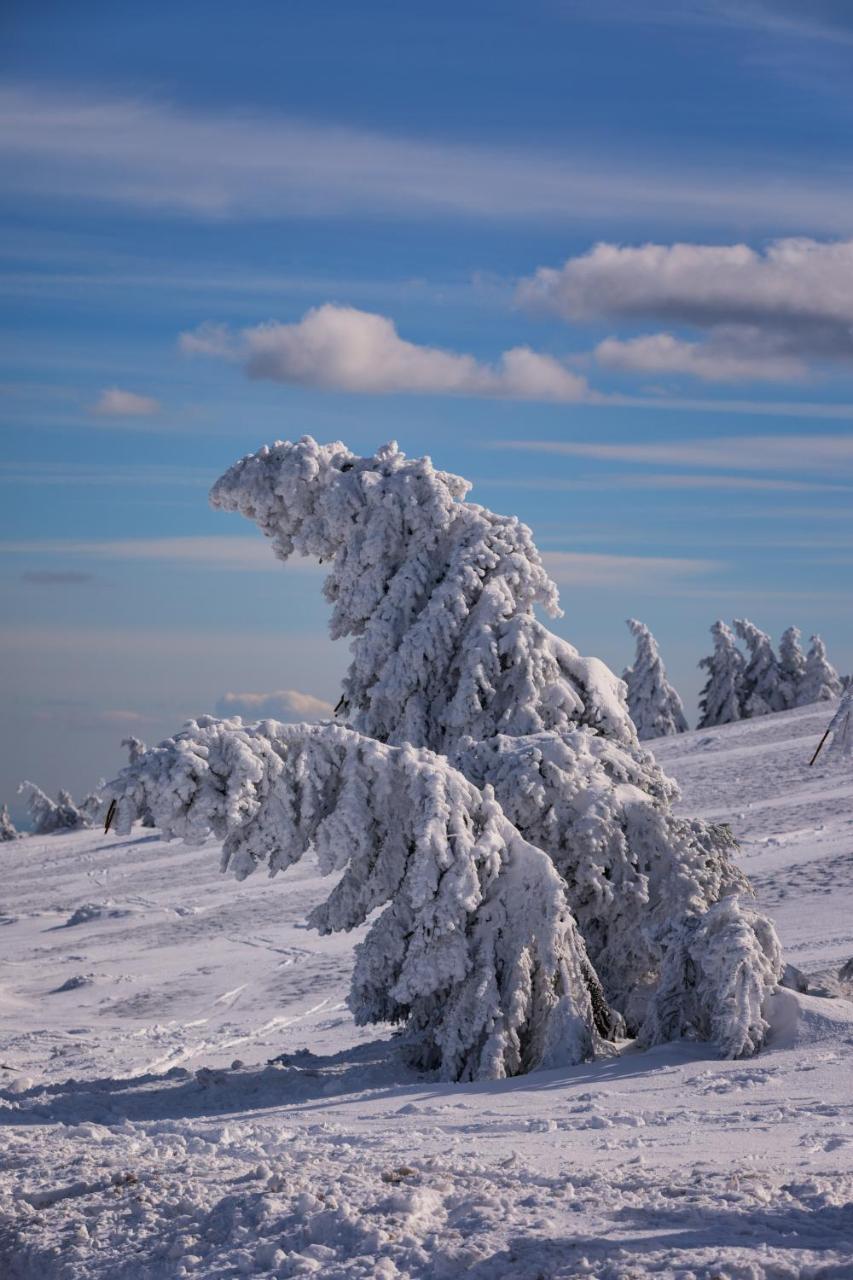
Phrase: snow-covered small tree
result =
(820, 680)
(135, 750)
(7, 826)
(476, 950)
(438, 597)
(49, 815)
(792, 666)
(654, 706)
(841, 727)
(719, 701)
(761, 687)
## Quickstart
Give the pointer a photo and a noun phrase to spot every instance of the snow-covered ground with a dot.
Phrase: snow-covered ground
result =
(143, 1132)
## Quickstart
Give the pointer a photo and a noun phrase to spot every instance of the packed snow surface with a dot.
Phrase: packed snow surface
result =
(145, 1132)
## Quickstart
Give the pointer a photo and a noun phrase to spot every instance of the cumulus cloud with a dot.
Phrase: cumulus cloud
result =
(345, 349)
(113, 402)
(765, 310)
(282, 704)
(721, 360)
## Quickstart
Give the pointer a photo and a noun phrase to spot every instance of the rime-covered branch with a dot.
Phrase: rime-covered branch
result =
(476, 950)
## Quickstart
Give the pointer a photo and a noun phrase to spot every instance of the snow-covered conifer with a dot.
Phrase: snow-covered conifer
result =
(7, 826)
(761, 683)
(91, 806)
(820, 679)
(476, 950)
(792, 666)
(719, 701)
(135, 750)
(49, 815)
(655, 707)
(841, 727)
(438, 597)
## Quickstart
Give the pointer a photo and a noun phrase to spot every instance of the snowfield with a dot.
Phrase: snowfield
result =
(146, 1133)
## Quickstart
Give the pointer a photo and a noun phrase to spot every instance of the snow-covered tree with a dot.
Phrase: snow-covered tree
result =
(448, 656)
(49, 815)
(654, 706)
(7, 826)
(719, 701)
(761, 683)
(841, 727)
(820, 679)
(135, 751)
(792, 666)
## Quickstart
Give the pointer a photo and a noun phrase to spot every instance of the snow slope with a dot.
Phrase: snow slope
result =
(143, 1132)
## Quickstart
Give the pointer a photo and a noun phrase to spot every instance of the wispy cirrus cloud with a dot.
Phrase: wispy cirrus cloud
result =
(830, 455)
(156, 156)
(766, 312)
(55, 578)
(113, 402)
(214, 552)
(583, 569)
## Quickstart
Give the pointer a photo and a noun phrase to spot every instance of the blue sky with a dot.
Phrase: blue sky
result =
(597, 257)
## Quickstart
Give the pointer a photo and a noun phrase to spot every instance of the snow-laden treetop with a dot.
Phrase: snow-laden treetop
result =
(437, 593)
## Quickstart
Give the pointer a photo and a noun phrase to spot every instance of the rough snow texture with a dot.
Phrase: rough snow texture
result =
(476, 951)
(719, 701)
(761, 689)
(792, 666)
(655, 707)
(143, 1135)
(48, 815)
(7, 826)
(820, 680)
(437, 596)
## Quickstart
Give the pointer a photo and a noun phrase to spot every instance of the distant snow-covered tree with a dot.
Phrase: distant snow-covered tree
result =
(437, 596)
(49, 815)
(761, 683)
(792, 666)
(841, 727)
(654, 706)
(820, 679)
(719, 701)
(7, 826)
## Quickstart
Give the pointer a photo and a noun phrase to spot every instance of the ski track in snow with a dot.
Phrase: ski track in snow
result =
(144, 1134)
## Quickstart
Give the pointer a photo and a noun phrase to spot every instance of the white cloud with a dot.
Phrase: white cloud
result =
(113, 402)
(346, 349)
(796, 280)
(716, 361)
(217, 552)
(283, 704)
(151, 155)
(766, 312)
(581, 569)
(815, 454)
